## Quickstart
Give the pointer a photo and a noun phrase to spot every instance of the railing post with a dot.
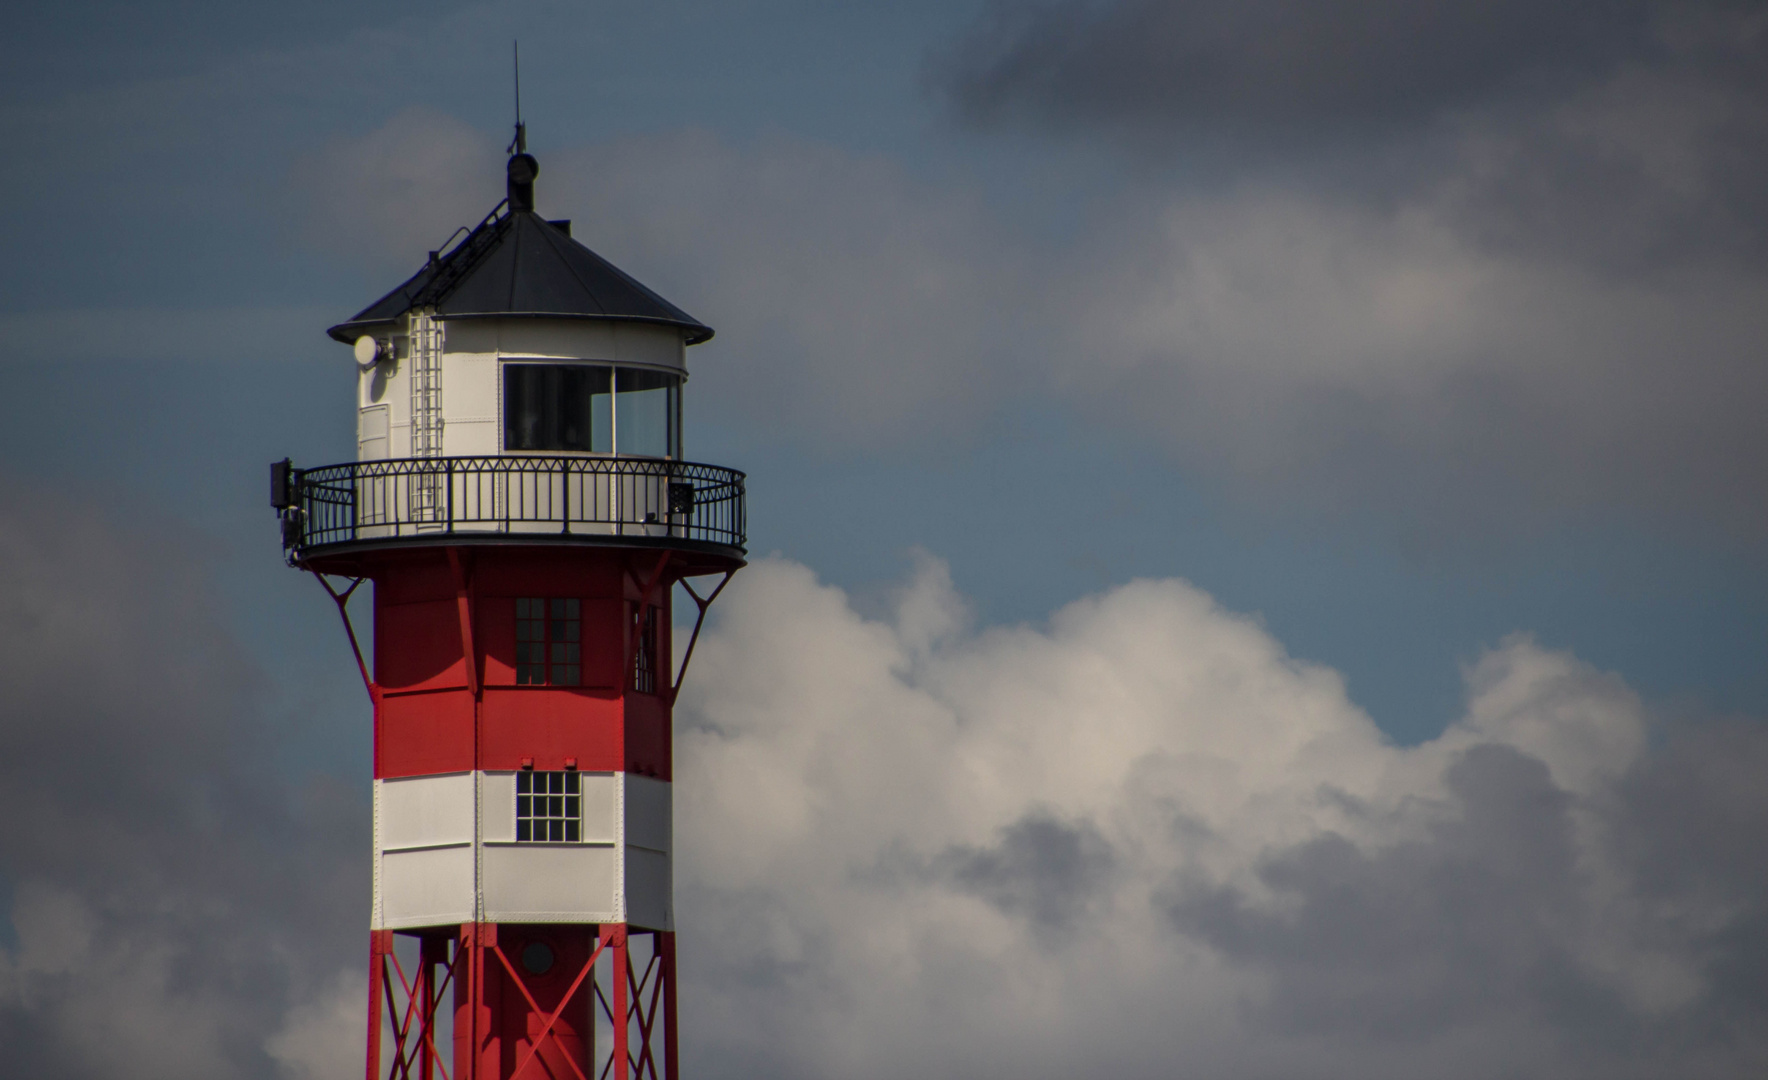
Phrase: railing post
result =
(449, 501)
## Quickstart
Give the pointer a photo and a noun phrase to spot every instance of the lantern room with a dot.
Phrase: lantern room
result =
(549, 349)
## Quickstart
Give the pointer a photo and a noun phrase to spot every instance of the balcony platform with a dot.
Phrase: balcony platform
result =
(336, 514)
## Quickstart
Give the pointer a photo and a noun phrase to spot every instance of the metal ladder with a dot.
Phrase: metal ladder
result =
(424, 335)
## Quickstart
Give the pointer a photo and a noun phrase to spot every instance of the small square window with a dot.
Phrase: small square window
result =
(549, 807)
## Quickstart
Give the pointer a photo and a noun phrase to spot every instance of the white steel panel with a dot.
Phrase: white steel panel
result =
(647, 813)
(566, 339)
(551, 883)
(471, 438)
(469, 384)
(638, 343)
(497, 793)
(427, 887)
(601, 807)
(648, 890)
(421, 811)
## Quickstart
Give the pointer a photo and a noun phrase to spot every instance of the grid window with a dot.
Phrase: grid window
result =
(549, 642)
(549, 807)
(644, 671)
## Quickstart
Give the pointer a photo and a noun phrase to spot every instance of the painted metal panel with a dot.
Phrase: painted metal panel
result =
(425, 734)
(649, 902)
(426, 887)
(470, 438)
(601, 807)
(424, 811)
(497, 802)
(648, 813)
(552, 883)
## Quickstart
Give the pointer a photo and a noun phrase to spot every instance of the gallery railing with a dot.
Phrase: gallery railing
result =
(592, 499)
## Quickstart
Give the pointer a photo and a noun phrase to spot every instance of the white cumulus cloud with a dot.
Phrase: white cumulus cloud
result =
(1142, 839)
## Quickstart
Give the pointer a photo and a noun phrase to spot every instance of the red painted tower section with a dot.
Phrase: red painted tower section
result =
(522, 510)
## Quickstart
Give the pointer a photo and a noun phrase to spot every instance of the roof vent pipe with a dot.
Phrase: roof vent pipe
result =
(522, 171)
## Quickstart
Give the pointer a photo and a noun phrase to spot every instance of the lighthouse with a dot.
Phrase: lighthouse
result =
(521, 505)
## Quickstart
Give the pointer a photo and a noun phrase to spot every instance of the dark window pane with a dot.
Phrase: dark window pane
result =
(523, 779)
(645, 404)
(558, 830)
(555, 806)
(571, 810)
(570, 609)
(524, 830)
(566, 675)
(556, 407)
(522, 804)
(571, 831)
(570, 783)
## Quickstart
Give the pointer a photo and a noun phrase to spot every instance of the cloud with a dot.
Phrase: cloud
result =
(1137, 837)
(1446, 261)
(386, 198)
(1300, 348)
(1273, 68)
(1424, 361)
(321, 1038)
(169, 900)
(1143, 839)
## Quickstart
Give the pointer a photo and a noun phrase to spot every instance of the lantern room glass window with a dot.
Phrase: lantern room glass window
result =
(565, 407)
(591, 409)
(549, 807)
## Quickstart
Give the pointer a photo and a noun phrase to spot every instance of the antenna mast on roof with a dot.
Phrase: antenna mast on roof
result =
(520, 145)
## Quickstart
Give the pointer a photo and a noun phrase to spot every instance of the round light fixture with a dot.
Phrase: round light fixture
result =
(537, 958)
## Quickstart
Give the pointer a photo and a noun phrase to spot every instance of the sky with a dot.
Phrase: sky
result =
(1257, 520)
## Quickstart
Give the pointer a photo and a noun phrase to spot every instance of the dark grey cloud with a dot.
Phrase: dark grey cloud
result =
(1427, 934)
(1631, 131)
(173, 897)
(1042, 869)
(1255, 68)
(1482, 921)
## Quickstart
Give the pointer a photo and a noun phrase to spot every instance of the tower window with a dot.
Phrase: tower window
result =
(549, 642)
(549, 807)
(644, 668)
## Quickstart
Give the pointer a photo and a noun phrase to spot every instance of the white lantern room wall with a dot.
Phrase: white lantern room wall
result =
(639, 367)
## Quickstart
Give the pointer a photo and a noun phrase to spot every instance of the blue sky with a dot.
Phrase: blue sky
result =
(1400, 358)
(160, 196)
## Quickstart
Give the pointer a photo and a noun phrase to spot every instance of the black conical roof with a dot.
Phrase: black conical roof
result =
(516, 264)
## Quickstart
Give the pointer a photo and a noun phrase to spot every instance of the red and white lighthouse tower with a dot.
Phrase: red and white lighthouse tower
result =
(520, 502)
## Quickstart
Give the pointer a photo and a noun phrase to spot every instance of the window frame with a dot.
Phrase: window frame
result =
(647, 661)
(560, 643)
(568, 800)
(672, 418)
